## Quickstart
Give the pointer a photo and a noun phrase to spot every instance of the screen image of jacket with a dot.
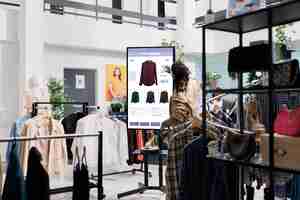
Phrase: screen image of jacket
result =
(164, 97)
(135, 97)
(150, 97)
(148, 74)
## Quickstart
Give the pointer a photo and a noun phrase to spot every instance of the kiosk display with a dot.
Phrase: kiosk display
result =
(150, 85)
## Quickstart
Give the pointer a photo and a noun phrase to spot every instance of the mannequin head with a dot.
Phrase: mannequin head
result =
(35, 82)
(181, 77)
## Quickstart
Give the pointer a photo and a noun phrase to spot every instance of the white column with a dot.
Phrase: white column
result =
(31, 23)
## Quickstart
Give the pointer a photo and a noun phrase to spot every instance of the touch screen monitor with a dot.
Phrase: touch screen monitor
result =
(150, 86)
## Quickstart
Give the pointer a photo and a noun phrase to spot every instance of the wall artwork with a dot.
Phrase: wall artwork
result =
(116, 82)
(239, 7)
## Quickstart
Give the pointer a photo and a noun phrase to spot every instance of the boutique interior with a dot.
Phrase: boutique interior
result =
(149, 99)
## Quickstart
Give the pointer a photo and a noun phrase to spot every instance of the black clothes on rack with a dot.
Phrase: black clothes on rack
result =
(203, 178)
(69, 123)
(194, 174)
(81, 188)
(14, 186)
(37, 179)
(150, 97)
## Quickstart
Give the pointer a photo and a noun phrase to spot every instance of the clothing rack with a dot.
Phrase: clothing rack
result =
(98, 185)
(145, 186)
(36, 104)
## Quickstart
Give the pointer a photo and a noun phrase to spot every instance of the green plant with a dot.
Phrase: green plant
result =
(178, 48)
(56, 93)
(116, 107)
(281, 34)
(213, 76)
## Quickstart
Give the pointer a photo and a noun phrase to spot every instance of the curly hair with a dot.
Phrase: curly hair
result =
(181, 74)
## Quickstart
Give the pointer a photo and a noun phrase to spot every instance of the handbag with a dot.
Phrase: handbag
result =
(285, 74)
(241, 146)
(287, 122)
(248, 59)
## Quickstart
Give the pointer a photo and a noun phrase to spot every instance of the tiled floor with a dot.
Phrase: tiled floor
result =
(124, 182)
(117, 184)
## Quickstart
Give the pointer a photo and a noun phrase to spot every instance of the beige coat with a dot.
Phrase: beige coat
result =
(53, 152)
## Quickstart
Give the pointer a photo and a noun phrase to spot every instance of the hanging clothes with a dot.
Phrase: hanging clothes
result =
(70, 123)
(76, 181)
(194, 177)
(114, 140)
(81, 190)
(84, 180)
(122, 142)
(16, 131)
(295, 189)
(37, 179)
(54, 152)
(176, 132)
(14, 186)
(179, 137)
(140, 143)
(1, 178)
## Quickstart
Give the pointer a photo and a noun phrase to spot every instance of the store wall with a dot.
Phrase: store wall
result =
(9, 71)
(57, 58)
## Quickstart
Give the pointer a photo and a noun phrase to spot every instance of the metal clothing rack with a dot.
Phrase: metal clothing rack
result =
(35, 106)
(98, 185)
(145, 186)
(265, 18)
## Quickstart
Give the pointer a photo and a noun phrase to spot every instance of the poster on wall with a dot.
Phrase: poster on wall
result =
(150, 86)
(116, 82)
(239, 7)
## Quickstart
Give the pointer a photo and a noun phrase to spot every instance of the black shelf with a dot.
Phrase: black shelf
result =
(264, 90)
(283, 13)
(255, 165)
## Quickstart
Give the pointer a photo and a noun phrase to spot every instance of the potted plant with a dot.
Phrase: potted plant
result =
(56, 93)
(212, 79)
(283, 40)
(116, 107)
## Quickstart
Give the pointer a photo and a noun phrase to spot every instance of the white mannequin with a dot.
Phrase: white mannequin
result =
(37, 92)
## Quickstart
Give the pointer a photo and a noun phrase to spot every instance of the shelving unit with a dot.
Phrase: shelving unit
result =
(265, 18)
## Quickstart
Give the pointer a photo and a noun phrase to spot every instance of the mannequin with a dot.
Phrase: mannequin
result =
(177, 131)
(37, 92)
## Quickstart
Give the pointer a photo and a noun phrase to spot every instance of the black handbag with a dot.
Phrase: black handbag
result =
(241, 146)
(286, 74)
(248, 59)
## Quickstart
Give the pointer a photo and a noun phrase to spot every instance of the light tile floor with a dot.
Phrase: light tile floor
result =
(117, 184)
(124, 182)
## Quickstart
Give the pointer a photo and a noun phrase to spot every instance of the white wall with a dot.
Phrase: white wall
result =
(57, 58)
(78, 31)
(9, 70)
